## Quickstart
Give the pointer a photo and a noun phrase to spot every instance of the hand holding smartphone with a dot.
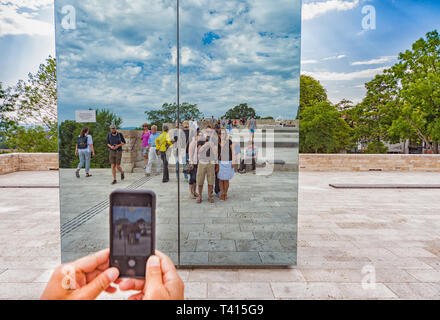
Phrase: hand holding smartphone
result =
(132, 231)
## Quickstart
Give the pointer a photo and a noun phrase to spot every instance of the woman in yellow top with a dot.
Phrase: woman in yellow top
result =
(163, 142)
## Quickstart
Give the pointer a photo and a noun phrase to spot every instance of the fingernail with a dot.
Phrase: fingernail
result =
(113, 274)
(154, 261)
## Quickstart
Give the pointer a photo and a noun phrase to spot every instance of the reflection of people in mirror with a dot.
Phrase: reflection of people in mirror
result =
(250, 156)
(163, 142)
(207, 158)
(152, 155)
(226, 163)
(145, 146)
(84, 149)
(115, 141)
(193, 160)
(252, 125)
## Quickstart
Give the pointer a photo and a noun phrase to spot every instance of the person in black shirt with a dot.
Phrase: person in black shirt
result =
(115, 141)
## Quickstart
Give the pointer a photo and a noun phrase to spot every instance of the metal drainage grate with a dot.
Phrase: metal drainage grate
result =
(85, 216)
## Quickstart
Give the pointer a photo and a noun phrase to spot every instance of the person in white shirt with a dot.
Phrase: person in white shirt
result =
(193, 160)
(193, 124)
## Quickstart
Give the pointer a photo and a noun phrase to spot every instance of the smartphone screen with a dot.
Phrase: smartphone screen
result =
(132, 231)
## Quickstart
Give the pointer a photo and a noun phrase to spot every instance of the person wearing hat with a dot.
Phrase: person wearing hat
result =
(115, 141)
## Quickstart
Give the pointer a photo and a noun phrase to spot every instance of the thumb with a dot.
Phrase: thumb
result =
(154, 284)
(100, 283)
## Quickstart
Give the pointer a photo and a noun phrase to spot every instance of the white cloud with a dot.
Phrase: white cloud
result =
(314, 61)
(380, 60)
(348, 76)
(311, 61)
(19, 17)
(341, 56)
(315, 9)
(30, 4)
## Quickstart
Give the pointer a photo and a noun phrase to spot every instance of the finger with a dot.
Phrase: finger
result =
(92, 275)
(154, 288)
(172, 281)
(154, 272)
(137, 296)
(91, 262)
(99, 284)
(168, 268)
(111, 289)
(104, 266)
(166, 263)
(132, 284)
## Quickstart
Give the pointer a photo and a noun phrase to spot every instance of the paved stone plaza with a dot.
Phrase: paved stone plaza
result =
(256, 226)
(340, 234)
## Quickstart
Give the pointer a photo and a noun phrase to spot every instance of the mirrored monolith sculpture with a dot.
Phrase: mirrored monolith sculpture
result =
(223, 77)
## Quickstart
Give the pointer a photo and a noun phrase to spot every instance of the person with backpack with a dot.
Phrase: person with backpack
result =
(84, 148)
(115, 141)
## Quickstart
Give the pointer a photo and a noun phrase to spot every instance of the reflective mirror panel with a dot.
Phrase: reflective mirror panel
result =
(116, 60)
(240, 66)
(239, 84)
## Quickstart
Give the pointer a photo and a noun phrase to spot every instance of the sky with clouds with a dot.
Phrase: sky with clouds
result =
(122, 55)
(231, 51)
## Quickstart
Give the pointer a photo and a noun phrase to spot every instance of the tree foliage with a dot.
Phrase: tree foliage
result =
(32, 139)
(417, 77)
(311, 92)
(240, 111)
(70, 130)
(372, 117)
(376, 147)
(322, 129)
(6, 106)
(37, 97)
(168, 114)
(32, 103)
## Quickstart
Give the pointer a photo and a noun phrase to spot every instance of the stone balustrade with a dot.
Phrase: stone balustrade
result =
(12, 162)
(369, 162)
(307, 162)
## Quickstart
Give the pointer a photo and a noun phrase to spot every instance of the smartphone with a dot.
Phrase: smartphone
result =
(132, 231)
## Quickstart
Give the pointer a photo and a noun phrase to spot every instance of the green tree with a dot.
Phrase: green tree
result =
(376, 147)
(372, 118)
(417, 79)
(33, 102)
(168, 114)
(70, 130)
(32, 139)
(322, 130)
(37, 97)
(7, 101)
(242, 110)
(311, 92)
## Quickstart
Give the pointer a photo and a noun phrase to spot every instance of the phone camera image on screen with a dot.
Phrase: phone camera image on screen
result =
(132, 234)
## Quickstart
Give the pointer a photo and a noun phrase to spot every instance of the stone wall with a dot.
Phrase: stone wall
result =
(131, 151)
(260, 123)
(307, 162)
(28, 162)
(369, 162)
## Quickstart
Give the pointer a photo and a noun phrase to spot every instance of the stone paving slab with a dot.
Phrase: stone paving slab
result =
(223, 226)
(374, 228)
